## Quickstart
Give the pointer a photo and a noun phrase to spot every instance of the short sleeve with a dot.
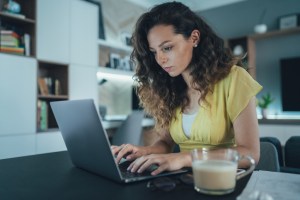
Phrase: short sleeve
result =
(241, 87)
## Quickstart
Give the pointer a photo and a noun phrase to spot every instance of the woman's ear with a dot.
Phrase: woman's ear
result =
(195, 37)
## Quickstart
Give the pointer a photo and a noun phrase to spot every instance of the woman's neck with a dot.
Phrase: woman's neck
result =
(187, 78)
(193, 94)
(193, 106)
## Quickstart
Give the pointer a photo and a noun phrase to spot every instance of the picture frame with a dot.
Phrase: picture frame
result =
(126, 38)
(289, 21)
(114, 60)
(126, 63)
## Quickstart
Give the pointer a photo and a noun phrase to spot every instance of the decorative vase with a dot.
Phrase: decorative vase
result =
(260, 28)
(264, 113)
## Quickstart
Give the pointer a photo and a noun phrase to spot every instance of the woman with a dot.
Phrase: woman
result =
(193, 87)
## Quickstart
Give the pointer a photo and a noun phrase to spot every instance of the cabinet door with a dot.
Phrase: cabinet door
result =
(83, 82)
(53, 20)
(18, 91)
(17, 145)
(84, 33)
(49, 142)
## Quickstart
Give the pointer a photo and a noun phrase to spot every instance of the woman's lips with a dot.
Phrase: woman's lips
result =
(167, 69)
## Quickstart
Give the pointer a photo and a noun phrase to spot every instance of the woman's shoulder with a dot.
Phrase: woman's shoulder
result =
(237, 69)
(236, 72)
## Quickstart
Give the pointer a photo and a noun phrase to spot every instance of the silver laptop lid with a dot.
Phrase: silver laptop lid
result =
(85, 137)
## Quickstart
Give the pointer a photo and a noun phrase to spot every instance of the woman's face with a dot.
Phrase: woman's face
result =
(172, 51)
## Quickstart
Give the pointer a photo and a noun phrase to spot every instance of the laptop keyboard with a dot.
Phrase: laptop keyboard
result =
(128, 174)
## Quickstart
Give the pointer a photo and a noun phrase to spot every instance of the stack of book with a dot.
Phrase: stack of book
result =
(10, 42)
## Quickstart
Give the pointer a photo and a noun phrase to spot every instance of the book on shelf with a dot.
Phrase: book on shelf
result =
(57, 87)
(9, 38)
(9, 43)
(42, 120)
(9, 33)
(13, 50)
(43, 88)
(49, 86)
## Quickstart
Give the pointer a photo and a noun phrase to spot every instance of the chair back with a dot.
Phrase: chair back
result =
(277, 145)
(268, 158)
(292, 152)
(130, 131)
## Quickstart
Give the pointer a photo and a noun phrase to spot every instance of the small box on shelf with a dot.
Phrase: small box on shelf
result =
(289, 21)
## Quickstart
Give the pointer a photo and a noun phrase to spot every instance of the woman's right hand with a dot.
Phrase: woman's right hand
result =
(128, 151)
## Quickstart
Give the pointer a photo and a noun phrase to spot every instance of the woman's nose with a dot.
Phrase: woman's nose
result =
(161, 58)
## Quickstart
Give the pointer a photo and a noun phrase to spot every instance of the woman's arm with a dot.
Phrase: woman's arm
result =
(246, 133)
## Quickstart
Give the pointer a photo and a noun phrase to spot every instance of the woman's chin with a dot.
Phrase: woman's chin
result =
(172, 74)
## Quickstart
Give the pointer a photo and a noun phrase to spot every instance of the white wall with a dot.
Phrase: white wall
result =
(282, 132)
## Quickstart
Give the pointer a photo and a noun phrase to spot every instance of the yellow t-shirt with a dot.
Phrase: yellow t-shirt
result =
(213, 125)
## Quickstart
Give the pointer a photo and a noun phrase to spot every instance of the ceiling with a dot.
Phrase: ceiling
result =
(195, 5)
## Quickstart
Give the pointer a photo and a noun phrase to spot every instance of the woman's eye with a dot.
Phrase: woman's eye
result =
(165, 49)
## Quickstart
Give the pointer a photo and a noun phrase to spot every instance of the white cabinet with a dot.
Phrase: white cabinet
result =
(83, 82)
(17, 145)
(53, 22)
(66, 33)
(49, 142)
(84, 33)
(83, 50)
(18, 90)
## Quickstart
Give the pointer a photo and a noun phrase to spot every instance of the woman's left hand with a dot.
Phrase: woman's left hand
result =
(165, 162)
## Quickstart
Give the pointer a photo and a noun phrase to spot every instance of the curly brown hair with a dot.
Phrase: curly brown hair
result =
(159, 93)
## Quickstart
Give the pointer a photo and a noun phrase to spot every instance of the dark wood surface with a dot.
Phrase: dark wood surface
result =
(53, 176)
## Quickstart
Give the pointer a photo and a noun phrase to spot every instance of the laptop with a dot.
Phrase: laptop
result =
(88, 144)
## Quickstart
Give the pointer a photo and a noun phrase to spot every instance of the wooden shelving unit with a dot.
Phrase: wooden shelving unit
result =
(252, 39)
(21, 25)
(249, 44)
(56, 90)
(275, 33)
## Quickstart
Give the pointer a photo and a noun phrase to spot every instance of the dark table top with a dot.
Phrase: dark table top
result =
(53, 176)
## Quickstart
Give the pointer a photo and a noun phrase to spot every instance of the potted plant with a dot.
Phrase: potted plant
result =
(264, 103)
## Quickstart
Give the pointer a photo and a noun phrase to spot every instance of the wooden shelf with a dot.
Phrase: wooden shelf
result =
(11, 17)
(54, 97)
(115, 46)
(115, 71)
(276, 33)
